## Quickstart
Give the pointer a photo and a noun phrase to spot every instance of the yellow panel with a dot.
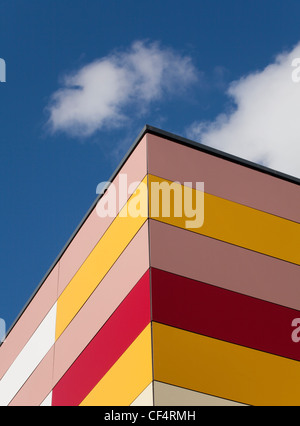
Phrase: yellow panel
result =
(223, 369)
(101, 259)
(127, 379)
(233, 223)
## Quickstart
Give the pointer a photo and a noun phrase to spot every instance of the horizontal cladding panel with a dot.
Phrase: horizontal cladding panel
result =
(28, 323)
(28, 359)
(222, 314)
(129, 376)
(114, 338)
(233, 182)
(94, 227)
(224, 265)
(224, 369)
(96, 266)
(235, 224)
(145, 399)
(38, 385)
(166, 395)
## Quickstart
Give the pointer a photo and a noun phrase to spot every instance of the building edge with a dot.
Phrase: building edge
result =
(148, 129)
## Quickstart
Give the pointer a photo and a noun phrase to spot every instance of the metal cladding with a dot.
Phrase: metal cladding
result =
(151, 310)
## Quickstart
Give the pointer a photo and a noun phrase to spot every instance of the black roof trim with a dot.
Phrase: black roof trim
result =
(175, 138)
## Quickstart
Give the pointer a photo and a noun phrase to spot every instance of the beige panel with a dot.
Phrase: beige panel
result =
(145, 399)
(168, 395)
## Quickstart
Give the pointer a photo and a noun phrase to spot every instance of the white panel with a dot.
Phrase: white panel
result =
(47, 401)
(168, 395)
(145, 399)
(29, 358)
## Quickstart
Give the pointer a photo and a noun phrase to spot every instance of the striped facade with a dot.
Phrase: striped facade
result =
(147, 311)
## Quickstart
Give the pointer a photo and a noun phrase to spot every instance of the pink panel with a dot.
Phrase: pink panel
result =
(94, 227)
(223, 178)
(224, 265)
(32, 317)
(39, 383)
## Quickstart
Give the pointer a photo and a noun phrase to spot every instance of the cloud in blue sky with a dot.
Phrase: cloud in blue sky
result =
(264, 124)
(99, 94)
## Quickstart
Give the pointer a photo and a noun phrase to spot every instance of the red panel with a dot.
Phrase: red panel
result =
(119, 332)
(222, 314)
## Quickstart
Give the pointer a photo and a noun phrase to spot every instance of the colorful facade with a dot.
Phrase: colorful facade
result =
(145, 310)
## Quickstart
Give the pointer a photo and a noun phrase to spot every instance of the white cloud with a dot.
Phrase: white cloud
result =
(264, 126)
(99, 94)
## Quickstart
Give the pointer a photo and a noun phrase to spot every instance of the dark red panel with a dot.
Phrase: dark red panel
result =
(215, 312)
(118, 333)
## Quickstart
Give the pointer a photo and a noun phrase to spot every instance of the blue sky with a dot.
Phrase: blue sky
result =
(52, 156)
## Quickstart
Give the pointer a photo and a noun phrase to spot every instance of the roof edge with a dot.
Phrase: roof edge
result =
(221, 154)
